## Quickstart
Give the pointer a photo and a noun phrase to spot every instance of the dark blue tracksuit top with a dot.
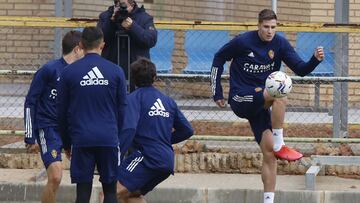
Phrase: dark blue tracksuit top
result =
(40, 102)
(252, 62)
(153, 122)
(91, 102)
(142, 35)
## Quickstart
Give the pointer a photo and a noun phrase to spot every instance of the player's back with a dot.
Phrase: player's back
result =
(94, 86)
(154, 130)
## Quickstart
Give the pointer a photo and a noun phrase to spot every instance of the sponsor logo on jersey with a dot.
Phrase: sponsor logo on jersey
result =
(158, 109)
(94, 77)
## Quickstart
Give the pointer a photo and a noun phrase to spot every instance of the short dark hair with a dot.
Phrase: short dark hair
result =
(143, 72)
(91, 37)
(70, 41)
(266, 14)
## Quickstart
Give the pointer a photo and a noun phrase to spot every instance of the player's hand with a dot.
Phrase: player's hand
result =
(32, 148)
(221, 103)
(68, 153)
(319, 53)
(127, 23)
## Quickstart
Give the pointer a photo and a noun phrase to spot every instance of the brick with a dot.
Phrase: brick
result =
(47, 7)
(43, 1)
(317, 5)
(318, 12)
(26, 43)
(6, 43)
(19, 12)
(19, 1)
(19, 49)
(29, 56)
(26, 6)
(6, 6)
(18, 37)
(44, 13)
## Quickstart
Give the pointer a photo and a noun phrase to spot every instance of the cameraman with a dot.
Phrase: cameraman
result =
(125, 17)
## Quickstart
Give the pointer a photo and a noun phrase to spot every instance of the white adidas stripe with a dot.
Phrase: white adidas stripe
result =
(42, 141)
(246, 98)
(133, 167)
(214, 71)
(98, 73)
(161, 104)
(134, 163)
(94, 73)
(28, 124)
(91, 74)
(158, 105)
(119, 156)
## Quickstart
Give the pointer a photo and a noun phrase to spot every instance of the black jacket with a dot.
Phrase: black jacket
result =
(142, 34)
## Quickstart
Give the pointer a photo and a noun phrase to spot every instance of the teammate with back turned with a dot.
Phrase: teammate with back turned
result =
(91, 102)
(40, 113)
(255, 55)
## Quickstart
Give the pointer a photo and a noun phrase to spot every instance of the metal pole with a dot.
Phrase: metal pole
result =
(341, 69)
(68, 12)
(274, 5)
(58, 31)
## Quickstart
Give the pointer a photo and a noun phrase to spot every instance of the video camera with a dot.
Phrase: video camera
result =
(122, 13)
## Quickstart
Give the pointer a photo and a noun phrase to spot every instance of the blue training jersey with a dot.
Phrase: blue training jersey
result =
(148, 127)
(40, 102)
(91, 102)
(252, 62)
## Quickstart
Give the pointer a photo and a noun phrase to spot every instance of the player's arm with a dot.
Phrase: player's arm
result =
(62, 104)
(32, 98)
(121, 100)
(182, 128)
(226, 53)
(296, 64)
(128, 131)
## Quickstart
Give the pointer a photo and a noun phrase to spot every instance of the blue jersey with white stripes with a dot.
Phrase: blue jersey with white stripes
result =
(253, 60)
(148, 127)
(91, 102)
(40, 102)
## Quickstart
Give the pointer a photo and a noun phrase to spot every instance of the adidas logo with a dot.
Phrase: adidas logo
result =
(158, 109)
(251, 54)
(94, 77)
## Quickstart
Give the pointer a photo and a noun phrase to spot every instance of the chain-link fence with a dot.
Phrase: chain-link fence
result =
(325, 104)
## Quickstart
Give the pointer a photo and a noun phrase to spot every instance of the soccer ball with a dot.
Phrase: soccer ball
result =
(278, 84)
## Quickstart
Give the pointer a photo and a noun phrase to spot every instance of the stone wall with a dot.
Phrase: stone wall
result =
(196, 157)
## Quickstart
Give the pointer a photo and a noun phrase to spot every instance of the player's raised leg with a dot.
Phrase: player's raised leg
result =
(277, 121)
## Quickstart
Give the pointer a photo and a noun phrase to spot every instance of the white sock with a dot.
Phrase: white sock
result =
(269, 197)
(278, 139)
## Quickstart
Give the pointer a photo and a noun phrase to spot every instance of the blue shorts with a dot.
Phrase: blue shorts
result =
(249, 104)
(50, 145)
(136, 177)
(84, 159)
